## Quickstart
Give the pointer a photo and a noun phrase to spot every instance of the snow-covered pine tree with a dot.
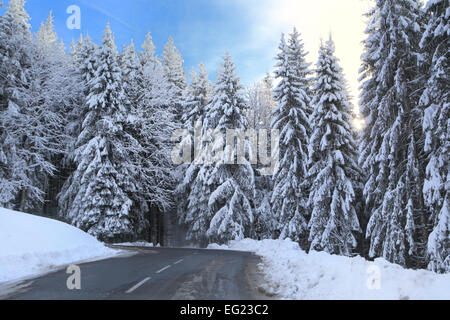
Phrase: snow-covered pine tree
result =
(436, 101)
(96, 198)
(221, 194)
(195, 188)
(153, 120)
(13, 71)
(197, 216)
(389, 103)
(173, 66)
(333, 170)
(46, 41)
(83, 57)
(291, 117)
(46, 37)
(26, 132)
(57, 92)
(131, 76)
(75, 48)
(152, 123)
(265, 222)
(133, 126)
(261, 103)
(197, 97)
(233, 185)
(148, 55)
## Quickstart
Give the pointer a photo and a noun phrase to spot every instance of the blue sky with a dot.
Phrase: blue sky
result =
(204, 29)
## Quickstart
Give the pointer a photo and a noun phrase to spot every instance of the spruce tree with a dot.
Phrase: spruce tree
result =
(389, 152)
(156, 123)
(332, 165)
(14, 74)
(197, 97)
(197, 215)
(261, 103)
(148, 55)
(435, 100)
(58, 92)
(151, 119)
(220, 200)
(131, 76)
(151, 122)
(27, 130)
(233, 185)
(291, 118)
(83, 58)
(96, 198)
(173, 66)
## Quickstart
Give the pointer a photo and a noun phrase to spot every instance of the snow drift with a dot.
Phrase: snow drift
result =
(290, 273)
(32, 245)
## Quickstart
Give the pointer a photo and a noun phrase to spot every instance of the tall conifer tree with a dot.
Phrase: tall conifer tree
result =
(436, 101)
(291, 118)
(389, 152)
(332, 166)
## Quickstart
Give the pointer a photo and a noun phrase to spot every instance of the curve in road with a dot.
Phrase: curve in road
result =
(151, 274)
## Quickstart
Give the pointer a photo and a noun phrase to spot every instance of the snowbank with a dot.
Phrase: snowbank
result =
(290, 273)
(31, 245)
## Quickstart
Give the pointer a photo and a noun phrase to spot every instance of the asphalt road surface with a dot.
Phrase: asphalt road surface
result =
(150, 274)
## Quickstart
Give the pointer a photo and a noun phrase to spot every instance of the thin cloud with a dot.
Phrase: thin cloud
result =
(110, 15)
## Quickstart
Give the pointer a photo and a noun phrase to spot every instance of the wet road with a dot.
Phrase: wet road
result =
(150, 274)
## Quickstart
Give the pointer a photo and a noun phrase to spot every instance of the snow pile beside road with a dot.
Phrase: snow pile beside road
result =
(30, 245)
(144, 244)
(290, 273)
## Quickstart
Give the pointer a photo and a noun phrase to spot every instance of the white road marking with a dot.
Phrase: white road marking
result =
(165, 268)
(138, 285)
(178, 261)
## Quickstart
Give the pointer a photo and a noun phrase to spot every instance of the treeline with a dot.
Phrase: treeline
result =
(88, 134)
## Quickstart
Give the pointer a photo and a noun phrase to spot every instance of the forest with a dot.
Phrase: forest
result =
(86, 137)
